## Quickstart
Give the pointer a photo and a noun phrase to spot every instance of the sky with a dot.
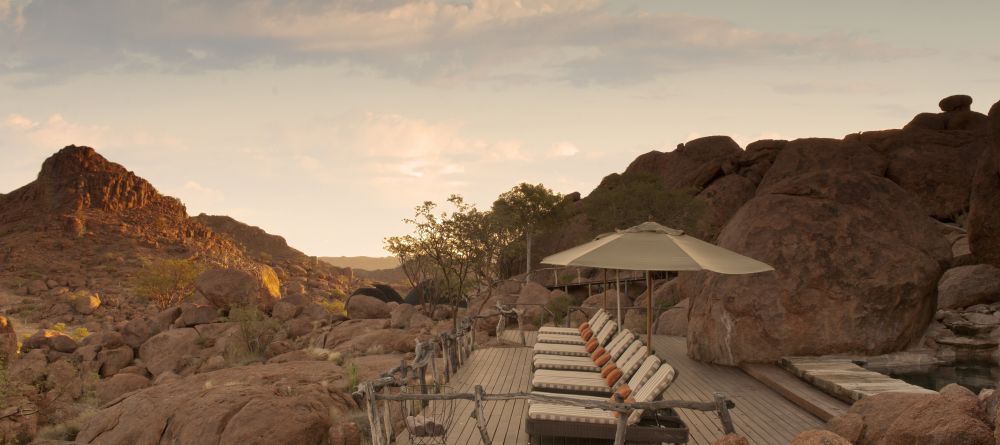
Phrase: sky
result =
(327, 122)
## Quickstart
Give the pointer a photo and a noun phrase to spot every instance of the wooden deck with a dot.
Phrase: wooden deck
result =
(762, 415)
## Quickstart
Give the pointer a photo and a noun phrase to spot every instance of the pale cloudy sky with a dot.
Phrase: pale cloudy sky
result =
(327, 121)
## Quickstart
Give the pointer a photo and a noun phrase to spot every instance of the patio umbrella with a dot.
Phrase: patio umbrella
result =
(654, 247)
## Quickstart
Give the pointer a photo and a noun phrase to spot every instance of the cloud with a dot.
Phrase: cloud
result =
(56, 131)
(430, 41)
(564, 150)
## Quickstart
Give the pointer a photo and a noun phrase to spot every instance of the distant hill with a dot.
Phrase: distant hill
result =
(363, 262)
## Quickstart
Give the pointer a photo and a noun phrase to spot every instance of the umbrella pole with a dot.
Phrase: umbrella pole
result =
(649, 311)
(604, 303)
(618, 297)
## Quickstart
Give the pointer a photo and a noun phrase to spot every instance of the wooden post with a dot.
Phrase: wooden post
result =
(649, 312)
(480, 418)
(422, 375)
(620, 431)
(434, 369)
(378, 436)
(723, 409)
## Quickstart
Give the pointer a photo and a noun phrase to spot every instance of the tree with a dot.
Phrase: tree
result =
(525, 209)
(168, 282)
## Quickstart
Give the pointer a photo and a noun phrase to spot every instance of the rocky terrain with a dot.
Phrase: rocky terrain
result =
(873, 236)
(261, 330)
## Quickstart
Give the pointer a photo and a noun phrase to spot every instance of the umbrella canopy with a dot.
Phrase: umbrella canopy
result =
(651, 246)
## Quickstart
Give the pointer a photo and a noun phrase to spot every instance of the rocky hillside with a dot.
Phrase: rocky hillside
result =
(90, 224)
(860, 230)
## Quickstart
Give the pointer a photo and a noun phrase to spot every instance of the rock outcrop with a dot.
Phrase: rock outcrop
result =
(984, 207)
(228, 288)
(828, 235)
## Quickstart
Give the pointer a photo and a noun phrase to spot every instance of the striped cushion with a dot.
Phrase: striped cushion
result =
(574, 384)
(604, 335)
(567, 374)
(563, 413)
(644, 372)
(571, 396)
(652, 390)
(582, 365)
(630, 365)
(560, 339)
(573, 331)
(623, 341)
(557, 349)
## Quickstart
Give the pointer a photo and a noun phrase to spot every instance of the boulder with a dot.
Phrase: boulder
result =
(400, 316)
(36, 287)
(936, 171)
(804, 156)
(535, 296)
(958, 102)
(868, 419)
(951, 417)
(112, 360)
(8, 340)
(723, 197)
(137, 331)
(192, 315)
(673, 321)
(361, 306)
(965, 286)
(85, 302)
(818, 437)
(229, 406)
(692, 164)
(119, 384)
(226, 288)
(856, 267)
(47, 338)
(983, 220)
(169, 350)
(285, 311)
(383, 292)
(731, 439)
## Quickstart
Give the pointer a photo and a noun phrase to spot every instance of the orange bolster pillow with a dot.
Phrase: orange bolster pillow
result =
(607, 369)
(613, 376)
(597, 353)
(583, 326)
(588, 334)
(602, 360)
(592, 345)
(623, 391)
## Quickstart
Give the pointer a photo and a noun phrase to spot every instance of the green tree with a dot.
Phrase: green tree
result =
(525, 209)
(168, 282)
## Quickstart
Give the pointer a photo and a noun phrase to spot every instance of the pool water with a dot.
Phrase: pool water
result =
(975, 376)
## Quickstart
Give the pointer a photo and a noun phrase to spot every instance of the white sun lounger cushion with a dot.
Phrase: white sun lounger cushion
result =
(557, 349)
(574, 384)
(564, 413)
(653, 389)
(567, 339)
(553, 362)
(644, 372)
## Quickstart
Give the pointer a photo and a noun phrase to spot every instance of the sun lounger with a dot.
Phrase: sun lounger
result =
(572, 339)
(572, 331)
(589, 382)
(553, 420)
(616, 347)
(579, 350)
(641, 376)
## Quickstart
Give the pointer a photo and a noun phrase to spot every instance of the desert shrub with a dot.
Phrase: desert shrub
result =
(80, 333)
(338, 294)
(256, 331)
(353, 376)
(168, 282)
(559, 307)
(334, 307)
(59, 327)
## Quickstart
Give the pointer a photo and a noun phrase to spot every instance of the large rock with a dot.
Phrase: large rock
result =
(673, 321)
(227, 288)
(692, 164)
(53, 340)
(169, 351)
(984, 205)
(8, 340)
(951, 417)
(856, 267)
(118, 385)
(803, 156)
(361, 306)
(958, 102)
(818, 437)
(84, 302)
(934, 169)
(293, 402)
(536, 296)
(112, 360)
(723, 197)
(965, 286)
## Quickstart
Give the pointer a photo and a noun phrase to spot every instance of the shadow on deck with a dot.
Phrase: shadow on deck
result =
(762, 415)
